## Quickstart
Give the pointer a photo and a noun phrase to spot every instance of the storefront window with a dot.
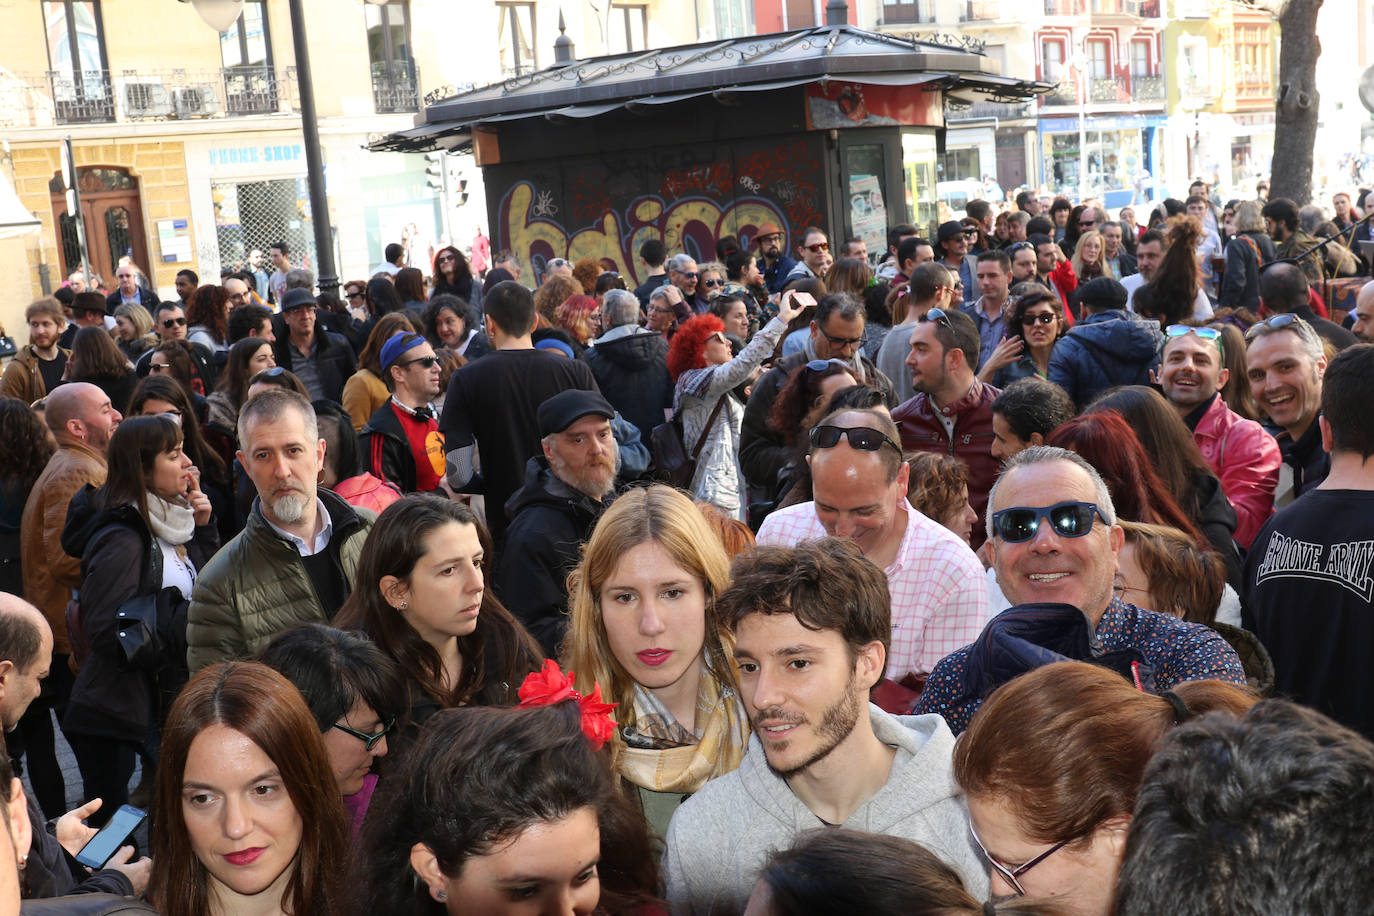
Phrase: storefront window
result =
(1114, 160)
(918, 171)
(866, 169)
(251, 215)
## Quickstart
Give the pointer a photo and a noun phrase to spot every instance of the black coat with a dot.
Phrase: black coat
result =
(146, 298)
(334, 359)
(120, 561)
(549, 521)
(632, 373)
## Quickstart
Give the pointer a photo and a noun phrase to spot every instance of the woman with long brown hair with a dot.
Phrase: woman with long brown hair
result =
(421, 595)
(452, 274)
(247, 810)
(208, 316)
(97, 360)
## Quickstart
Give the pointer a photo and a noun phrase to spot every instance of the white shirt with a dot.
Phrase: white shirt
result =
(1202, 306)
(321, 540)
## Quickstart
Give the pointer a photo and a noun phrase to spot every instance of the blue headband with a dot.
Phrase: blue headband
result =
(553, 343)
(395, 345)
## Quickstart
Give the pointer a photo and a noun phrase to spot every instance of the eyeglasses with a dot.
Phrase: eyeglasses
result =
(353, 295)
(1069, 519)
(370, 741)
(771, 237)
(173, 322)
(940, 315)
(1086, 223)
(558, 262)
(820, 365)
(1212, 334)
(817, 247)
(710, 284)
(662, 310)
(842, 341)
(689, 274)
(1278, 321)
(1020, 246)
(158, 367)
(860, 437)
(429, 362)
(719, 337)
(271, 373)
(1032, 320)
(1012, 875)
(240, 297)
(445, 257)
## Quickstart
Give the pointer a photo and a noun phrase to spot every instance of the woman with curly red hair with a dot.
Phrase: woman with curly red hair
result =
(699, 361)
(578, 316)
(208, 316)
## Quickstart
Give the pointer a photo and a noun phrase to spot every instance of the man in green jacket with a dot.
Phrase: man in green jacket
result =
(295, 560)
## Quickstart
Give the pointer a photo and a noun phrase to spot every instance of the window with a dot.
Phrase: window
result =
(1142, 61)
(1052, 60)
(1099, 58)
(245, 49)
(959, 165)
(1253, 67)
(395, 82)
(516, 37)
(76, 61)
(629, 29)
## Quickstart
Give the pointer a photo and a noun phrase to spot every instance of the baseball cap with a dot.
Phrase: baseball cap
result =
(295, 298)
(567, 407)
(950, 229)
(1103, 293)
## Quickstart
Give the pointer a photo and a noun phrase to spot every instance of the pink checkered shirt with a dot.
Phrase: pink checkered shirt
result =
(939, 594)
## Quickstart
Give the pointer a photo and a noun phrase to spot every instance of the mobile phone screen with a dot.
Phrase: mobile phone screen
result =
(110, 837)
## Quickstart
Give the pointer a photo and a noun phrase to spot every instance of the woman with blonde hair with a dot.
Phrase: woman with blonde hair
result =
(1087, 256)
(134, 330)
(644, 627)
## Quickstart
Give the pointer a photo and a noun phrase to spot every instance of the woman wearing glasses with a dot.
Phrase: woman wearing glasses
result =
(245, 822)
(1051, 765)
(421, 596)
(1035, 326)
(1087, 256)
(699, 362)
(644, 627)
(354, 692)
(452, 274)
(711, 279)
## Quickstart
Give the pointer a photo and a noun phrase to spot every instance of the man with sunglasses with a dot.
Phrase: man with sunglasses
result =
(859, 484)
(682, 273)
(1244, 457)
(1054, 541)
(401, 442)
(169, 321)
(816, 258)
(321, 359)
(953, 241)
(951, 410)
(837, 330)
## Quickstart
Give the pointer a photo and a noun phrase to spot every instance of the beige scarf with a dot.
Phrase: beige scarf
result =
(667, 758)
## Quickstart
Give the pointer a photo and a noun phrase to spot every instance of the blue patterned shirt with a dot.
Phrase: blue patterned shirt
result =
(1177, 650)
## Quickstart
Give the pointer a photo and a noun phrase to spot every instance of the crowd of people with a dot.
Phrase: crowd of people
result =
(1023, 567)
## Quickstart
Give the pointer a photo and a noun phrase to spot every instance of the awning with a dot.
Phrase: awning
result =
(15, 221)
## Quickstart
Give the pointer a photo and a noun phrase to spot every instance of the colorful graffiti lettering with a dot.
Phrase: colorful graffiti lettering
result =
(527, 225)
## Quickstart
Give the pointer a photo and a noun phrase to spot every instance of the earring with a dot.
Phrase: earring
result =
(23, 861)
(438, 893)
(405, 606)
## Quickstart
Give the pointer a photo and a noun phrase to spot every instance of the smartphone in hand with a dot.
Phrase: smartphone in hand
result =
(109, 838)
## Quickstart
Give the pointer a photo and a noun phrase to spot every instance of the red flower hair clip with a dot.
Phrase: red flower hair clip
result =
(551, 685)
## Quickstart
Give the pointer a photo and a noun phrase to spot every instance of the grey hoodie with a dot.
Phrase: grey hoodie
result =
(719, 838)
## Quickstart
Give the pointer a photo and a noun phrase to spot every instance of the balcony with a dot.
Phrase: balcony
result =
(981, 11)
(102, 96)
(1109, 89)
(1148, 88)
(1144, 9)
(920, 12)
(1065, 7)
(1065, 93)
(395, 86)
(987, 111)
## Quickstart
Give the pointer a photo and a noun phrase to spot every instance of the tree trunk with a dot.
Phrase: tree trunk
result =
(1295, 117)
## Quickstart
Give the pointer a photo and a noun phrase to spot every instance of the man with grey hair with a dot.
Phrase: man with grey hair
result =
(1016, 226)
(1285, 362)
(631, 363)
(300, 278)
(682, 273)
(295, 560)
(566, 490)
(1054, 542)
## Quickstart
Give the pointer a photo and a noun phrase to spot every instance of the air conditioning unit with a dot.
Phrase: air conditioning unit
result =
(195, 101)
(146, 100)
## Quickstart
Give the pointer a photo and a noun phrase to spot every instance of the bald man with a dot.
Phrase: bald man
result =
(1363, 328)
(82, 420)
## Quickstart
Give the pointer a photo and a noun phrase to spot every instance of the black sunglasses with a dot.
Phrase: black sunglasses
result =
(427, 361)
(172, 322)
(860, 437)
(1069, 519)
(940, 315)
(1278, 321)
(1043, 318)
(369, 740)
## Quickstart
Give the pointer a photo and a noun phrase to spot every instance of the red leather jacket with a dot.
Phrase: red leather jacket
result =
(1246, 459)
(972, 443)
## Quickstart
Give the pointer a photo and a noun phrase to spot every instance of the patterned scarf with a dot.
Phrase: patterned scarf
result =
(661, 755)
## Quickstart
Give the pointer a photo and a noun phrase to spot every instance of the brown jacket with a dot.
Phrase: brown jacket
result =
(22, 379)
(49, 574)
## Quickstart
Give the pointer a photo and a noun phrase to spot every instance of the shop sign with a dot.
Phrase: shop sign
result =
(1122, 122)
(267, 154)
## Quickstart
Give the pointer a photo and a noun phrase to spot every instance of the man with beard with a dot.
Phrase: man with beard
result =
(401, 442)
(566, 490)
(1244, 457)
(39, 367)
(812, 627)
(295, 560)
(772, 263)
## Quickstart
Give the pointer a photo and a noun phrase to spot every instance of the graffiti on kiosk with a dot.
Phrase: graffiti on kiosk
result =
(527, 221)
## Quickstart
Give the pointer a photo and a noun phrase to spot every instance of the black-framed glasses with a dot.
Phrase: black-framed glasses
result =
(1086, 224)
(353, 295)
(1028, 320)
(428, 362)
(862, 438)
(370, 741)
(842, 341)
(709, 284)
(1013, 875)
(1071, 519)
(170, 323)
(1278, 321)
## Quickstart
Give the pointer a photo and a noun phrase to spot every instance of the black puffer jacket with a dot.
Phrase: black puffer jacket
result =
(632, 373)
(120, 561)
(549, 522)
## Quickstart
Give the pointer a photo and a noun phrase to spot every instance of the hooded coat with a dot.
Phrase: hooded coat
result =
(1103, 350)
(632, 373)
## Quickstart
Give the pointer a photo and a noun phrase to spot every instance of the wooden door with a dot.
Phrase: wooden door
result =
(113, 218)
